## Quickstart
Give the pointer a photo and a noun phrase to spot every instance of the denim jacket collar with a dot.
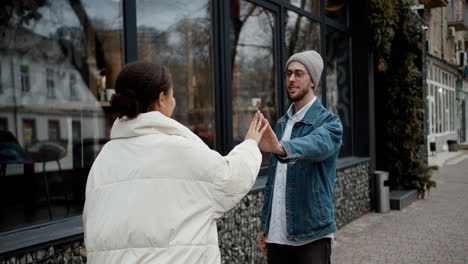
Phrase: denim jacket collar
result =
(315, 109)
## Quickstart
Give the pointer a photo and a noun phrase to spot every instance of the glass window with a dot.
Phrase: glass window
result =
(66, 38)
(432, 118)
(336, 10)
(73, 94)
(339, 83)
(1, 79)
(54, 130)
(254, 81)
(29, 131)
(312, 6)
(3, 123)
(179, 37)
(437, 114)
(451, 106)
(442, 109)
(447, 110)
(301, 34)
(24, 78)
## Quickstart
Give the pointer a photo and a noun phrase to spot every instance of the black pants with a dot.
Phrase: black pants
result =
(316, 252)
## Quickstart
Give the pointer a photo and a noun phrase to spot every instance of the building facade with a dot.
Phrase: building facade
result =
(446, 24)
(59, 62)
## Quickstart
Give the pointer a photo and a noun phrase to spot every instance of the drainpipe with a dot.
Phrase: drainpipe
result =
(442, 32)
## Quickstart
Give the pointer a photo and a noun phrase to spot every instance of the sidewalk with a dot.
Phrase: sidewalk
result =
(434, 230)
(440, 158)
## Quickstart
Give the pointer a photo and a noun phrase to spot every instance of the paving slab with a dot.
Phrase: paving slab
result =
(430, 230)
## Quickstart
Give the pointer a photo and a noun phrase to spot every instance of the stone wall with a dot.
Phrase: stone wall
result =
(352, 197)
(68, 253)
(238, 228)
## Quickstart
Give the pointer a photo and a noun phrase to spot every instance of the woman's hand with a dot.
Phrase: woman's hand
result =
(256, 129)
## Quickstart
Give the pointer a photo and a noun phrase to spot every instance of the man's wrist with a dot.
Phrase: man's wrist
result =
(280, 150)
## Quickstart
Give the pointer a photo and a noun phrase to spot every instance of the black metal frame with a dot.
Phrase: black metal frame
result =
(129, 31)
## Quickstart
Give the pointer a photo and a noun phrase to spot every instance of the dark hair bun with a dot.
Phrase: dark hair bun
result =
(138, 86)
(125, 103)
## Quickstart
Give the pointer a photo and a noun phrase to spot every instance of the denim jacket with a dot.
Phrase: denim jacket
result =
(311, 155)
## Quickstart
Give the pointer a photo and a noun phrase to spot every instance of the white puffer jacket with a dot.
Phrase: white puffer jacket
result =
(155, 191)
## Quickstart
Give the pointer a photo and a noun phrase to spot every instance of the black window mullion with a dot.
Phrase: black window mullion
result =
(362, 91)
(264, 4)
(227, 78)
(217, 73)
(222, 76)
(323, 47)
(129, 30)
(281, 60)
(296, 9)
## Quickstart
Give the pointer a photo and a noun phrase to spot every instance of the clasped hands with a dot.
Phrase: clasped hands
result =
(261, 131)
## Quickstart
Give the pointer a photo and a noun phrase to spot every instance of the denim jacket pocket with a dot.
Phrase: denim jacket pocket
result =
(321, 215)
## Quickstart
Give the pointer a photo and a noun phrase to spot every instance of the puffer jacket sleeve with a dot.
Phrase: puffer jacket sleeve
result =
(235, 175)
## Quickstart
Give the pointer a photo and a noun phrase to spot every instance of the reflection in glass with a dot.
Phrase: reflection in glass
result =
(339, 83)
(24, 79)
(336, 10)
(254, 83)
(301, 34)
(312, 6)
(179, 37)
(54, 130)
(50, 83)
(3, 123)
(54, 58)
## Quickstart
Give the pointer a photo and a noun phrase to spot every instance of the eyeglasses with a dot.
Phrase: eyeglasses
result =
(299, 75)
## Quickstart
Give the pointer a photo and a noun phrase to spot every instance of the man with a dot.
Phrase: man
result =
(297, 216)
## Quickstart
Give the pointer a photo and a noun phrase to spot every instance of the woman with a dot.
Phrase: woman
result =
(155, 190)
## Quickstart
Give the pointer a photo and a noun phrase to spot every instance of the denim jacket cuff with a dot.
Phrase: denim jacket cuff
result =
(288, 150)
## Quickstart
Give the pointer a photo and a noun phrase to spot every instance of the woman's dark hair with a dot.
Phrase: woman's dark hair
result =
(138, 86)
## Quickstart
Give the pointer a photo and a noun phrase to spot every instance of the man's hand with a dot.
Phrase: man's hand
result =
(262, 244)
(269, 141)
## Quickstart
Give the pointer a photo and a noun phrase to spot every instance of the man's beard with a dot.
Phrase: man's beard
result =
(298, 96)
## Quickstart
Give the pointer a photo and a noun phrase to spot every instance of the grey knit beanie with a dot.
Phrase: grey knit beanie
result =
(312, 60)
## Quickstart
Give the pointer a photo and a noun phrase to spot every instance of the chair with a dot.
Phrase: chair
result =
(46, 151)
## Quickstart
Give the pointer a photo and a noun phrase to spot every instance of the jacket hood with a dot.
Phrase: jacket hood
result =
(150, 123)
